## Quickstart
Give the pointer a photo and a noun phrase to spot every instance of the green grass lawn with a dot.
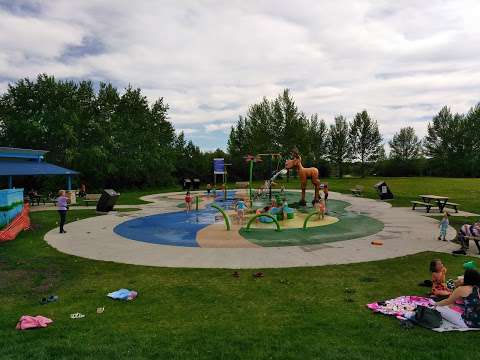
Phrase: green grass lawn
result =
(466, 192)
(298, 313)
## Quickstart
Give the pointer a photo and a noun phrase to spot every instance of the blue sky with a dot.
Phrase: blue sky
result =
(401, 60)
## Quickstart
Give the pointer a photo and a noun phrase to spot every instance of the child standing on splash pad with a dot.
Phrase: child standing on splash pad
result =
(325, 192)
(241, 207)
(188, 201)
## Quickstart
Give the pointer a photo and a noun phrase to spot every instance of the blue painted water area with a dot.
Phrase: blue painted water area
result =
(176, 228)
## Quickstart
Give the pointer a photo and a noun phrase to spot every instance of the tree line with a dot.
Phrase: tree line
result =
(450, 148)
(114, 140)
(118, 139)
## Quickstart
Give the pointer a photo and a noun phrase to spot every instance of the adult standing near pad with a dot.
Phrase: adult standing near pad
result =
(62, 205)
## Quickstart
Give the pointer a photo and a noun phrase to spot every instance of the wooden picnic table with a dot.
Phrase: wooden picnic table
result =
(36, 198)
(440, 200)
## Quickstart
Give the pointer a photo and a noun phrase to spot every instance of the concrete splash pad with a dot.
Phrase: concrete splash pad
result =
(404, 233)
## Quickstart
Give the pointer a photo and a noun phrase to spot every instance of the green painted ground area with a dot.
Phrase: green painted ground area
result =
(350, 226)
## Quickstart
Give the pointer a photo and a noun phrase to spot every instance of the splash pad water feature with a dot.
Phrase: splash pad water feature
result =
(206, 227)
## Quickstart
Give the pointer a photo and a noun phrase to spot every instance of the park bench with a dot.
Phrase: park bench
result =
(452, 205)
(357, 190)
(421, 204)
(476, 239)
(91, 198)
(242, 184)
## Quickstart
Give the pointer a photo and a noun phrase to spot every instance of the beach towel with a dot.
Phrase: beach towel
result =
(33, 322)
(123, 294)
(403, 308)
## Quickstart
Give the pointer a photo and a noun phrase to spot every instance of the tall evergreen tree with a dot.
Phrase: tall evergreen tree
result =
(339, 147)
(405, 145)
(365, 139)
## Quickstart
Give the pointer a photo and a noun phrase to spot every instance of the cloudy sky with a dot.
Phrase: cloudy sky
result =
(401, 60)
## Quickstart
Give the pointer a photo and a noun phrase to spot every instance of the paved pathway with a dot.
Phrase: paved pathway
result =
(404, 233)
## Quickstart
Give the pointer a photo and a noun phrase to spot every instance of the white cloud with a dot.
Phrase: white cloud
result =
(210, 59)
(218, 127)
(186, 131)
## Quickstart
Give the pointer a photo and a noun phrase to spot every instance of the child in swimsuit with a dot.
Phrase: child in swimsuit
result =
(241, 207)
(188, 201)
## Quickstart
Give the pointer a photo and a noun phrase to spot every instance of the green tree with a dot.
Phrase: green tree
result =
(113, 140)
(317, 136)
(365, 139)
(445, 143)
(275, 126)
(405, 145)
(339, 148)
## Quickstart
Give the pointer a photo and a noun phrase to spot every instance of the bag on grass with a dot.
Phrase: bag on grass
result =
(427, 317)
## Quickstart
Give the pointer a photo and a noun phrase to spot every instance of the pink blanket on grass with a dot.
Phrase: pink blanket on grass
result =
(401, 307)
(33, 322)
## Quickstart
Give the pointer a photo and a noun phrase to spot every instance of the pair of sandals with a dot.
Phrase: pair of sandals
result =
(77, 316)
(48, 299)
(100, 310)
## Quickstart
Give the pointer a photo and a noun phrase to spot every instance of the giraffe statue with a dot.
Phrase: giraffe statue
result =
(304, 174)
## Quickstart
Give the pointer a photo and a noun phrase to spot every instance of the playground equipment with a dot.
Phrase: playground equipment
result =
(258, 158)
(275, 221)
(303, 174)
(225, 216)
(267, 186)
(309, 216)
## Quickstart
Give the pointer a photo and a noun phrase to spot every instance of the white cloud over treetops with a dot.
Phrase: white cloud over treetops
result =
(402, 60)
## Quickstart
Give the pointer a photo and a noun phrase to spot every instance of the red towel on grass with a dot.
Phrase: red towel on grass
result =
(33, 322)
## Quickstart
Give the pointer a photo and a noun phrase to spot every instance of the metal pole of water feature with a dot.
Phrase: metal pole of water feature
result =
(270, 174)
(196, 203)
(251, 179)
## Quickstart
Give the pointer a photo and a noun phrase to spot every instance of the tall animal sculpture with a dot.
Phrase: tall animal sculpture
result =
(304, 174)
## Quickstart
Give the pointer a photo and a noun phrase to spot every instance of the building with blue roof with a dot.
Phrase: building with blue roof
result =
(27, 162)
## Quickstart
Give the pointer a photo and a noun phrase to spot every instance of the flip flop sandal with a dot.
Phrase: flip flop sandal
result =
(77, 316)
(406, 324)
(100, 310)
(52, 298)
(258, 275)
(43, 301)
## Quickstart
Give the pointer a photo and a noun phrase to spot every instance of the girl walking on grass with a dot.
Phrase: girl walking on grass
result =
(62, 206)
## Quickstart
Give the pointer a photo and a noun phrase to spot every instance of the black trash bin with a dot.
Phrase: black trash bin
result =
(196, 184)
(107, 200)
(383, 190)
(187, 184)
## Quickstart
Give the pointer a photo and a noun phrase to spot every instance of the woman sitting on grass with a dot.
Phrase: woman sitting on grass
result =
(469, 292)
